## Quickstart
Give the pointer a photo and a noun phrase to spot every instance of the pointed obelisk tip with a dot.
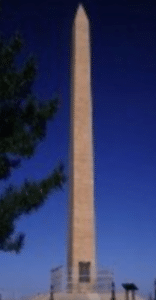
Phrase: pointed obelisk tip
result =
(80, 8)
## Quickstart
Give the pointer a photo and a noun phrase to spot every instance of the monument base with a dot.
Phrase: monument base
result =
(68, 296)
(81, 288)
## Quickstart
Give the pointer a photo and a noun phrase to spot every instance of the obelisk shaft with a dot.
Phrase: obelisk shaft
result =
(81, 209)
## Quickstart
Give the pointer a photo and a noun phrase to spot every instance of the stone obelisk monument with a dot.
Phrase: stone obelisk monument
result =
(81, 263)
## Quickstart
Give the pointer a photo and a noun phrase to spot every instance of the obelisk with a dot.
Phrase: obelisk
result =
(81, 263)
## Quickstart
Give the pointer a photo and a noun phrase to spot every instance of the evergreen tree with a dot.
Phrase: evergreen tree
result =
(22, 126)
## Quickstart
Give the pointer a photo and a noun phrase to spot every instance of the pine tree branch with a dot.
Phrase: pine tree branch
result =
(29, 198)
(14, 136)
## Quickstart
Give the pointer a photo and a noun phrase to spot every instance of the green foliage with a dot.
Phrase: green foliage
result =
(23, 125)
(28, 199)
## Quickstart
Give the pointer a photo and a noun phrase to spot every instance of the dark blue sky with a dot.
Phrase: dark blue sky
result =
(124, 103)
